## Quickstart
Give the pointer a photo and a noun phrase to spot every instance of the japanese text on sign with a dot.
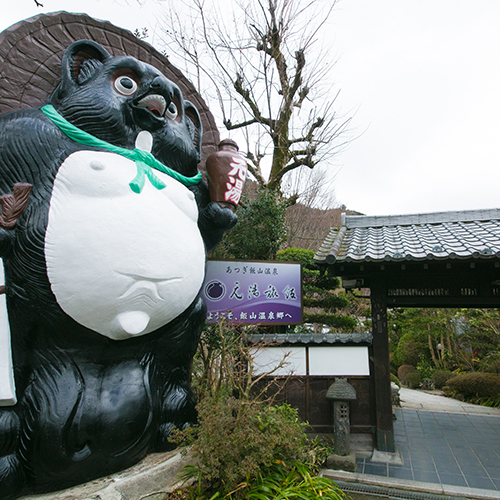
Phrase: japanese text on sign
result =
(236, 179)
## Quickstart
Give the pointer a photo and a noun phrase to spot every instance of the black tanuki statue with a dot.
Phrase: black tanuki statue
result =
(104, 230)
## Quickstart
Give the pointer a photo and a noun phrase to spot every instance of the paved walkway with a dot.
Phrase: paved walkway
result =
(443, 441)
(434, 401)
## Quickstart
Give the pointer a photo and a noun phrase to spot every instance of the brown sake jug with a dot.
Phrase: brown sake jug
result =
(226, 174)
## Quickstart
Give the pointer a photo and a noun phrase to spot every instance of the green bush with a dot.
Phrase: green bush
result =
(475, 385)
(403, 372)
(491, 362)
(295, 484)
(333, 320)
(493, 402)
(440, 377)
(410, 349)
(278, 482)
(318, 292)
(395, 380)
(261, 229)
(239, 439)
(413, 380)
(329, 302)
(296, 254)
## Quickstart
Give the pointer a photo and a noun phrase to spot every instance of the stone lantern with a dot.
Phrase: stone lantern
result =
(341, 392)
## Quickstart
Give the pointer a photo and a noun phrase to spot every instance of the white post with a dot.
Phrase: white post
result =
(7, 385)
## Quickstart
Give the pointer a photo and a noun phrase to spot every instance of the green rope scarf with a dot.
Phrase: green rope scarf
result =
(144, 161)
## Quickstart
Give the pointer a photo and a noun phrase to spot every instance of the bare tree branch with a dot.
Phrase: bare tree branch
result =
(257, 62)
(231, 126)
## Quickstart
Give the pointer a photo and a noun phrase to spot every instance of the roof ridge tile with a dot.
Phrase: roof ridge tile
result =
(467, 234)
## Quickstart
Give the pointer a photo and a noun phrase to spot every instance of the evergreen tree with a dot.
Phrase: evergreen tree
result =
(260, 231)
(321, 298)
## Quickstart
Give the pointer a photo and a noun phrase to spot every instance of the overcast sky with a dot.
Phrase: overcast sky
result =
(421, 76)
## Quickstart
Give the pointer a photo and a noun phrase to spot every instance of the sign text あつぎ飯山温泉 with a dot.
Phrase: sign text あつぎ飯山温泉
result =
(253, 292)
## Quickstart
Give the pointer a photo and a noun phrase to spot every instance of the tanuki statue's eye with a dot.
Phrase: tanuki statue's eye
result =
(125, 85)
(171, 111)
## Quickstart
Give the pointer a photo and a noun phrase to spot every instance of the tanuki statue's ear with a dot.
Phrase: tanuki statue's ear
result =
(80, 62)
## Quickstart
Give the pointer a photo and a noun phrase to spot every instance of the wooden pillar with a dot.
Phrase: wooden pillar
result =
(381, 375)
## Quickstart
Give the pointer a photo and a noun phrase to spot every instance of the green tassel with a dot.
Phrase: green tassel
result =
(144, 161)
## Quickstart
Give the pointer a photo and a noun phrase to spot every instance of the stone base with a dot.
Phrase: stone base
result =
(362, 445)
(387, 458)
(154, 477)
(339, 462)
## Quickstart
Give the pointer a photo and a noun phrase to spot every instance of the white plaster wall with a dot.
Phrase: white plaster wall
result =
(336, 361)
(267, 359)
(339, 361)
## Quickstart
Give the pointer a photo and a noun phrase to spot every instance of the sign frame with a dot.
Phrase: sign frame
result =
(271, 264)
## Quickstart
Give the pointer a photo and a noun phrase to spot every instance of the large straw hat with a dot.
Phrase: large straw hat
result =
(31, 53)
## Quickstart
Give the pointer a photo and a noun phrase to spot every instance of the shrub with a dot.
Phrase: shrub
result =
(295, 484)
(491, 362)
(403, 372)
(475, 385)
(425, 368)
(238, 439)
(295, 254)
(333, 320)
(327, 301)
(395, 380)
(491, 402)
(410, 349)
(278, 482)
(413, 380)
(261, 229)
(440, 377)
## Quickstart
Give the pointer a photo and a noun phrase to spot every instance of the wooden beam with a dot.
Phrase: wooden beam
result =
(381, 376)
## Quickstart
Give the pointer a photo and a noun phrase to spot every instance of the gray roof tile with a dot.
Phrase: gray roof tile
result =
(310, 338)
(441, 235)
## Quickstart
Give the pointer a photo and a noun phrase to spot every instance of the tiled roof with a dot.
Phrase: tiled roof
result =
(311, 338)
(471, 234)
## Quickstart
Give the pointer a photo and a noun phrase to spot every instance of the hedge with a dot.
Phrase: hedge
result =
(413, 380)
(476, 384)
(440, 377)
(336, 321)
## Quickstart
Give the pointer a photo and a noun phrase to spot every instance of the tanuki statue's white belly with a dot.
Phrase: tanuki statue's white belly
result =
(120, 263)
